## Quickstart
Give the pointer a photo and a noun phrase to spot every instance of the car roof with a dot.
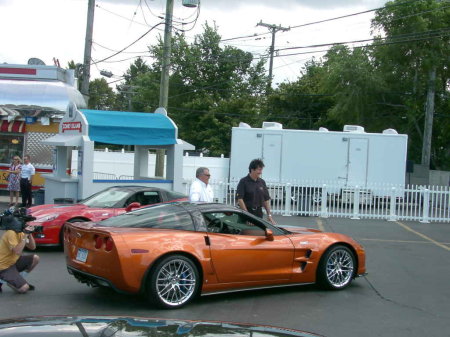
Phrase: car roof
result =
(136, 188)
(207, 207)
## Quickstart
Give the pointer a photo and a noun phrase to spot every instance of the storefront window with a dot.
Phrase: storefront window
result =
(10, 145)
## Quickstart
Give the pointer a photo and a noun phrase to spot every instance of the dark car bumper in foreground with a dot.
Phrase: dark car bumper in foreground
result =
(135, 326)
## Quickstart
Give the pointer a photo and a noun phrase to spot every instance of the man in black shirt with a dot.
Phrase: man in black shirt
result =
(252, 193)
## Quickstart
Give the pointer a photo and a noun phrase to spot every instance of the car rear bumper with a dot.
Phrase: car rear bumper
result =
(92, 280)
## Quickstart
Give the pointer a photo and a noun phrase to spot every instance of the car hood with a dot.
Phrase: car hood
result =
(134, 326)
(39, 211)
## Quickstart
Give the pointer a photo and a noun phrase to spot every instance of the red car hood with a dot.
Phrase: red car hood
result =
(43, 210)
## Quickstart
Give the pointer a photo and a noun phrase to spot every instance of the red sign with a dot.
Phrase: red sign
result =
(18, 71)
(71, 126)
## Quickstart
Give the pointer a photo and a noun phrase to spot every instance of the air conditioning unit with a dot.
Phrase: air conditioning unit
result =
(272, 125)
(244, 125)
(354, 128)
(390, 132)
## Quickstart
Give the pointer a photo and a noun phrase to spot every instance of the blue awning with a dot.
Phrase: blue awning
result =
(130, 128)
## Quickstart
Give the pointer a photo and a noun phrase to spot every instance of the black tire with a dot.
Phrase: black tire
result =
(174, 281)
(337, 268)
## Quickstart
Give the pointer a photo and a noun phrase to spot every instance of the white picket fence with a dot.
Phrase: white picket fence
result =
(411, 202)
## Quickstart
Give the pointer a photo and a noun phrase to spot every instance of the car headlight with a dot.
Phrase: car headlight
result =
(47, 218)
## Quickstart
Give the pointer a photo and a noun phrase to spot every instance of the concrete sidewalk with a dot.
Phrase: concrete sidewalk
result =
(4, 202)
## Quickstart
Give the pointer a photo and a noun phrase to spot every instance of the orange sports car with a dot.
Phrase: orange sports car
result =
(173, 252)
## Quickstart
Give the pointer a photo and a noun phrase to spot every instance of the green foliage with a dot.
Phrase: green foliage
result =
(302, 104)
(101, 96)
(417, 41)
(211, 88)
(383, 85)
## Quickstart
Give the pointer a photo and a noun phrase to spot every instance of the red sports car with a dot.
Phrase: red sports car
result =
(100, 206)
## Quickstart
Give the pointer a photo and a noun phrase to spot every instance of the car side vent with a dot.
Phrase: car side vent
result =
(308, 253)
(303, 265)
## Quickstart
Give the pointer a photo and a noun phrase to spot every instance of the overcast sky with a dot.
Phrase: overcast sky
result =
(49, 29)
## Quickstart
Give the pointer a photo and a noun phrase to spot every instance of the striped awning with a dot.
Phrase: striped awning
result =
(13, 126)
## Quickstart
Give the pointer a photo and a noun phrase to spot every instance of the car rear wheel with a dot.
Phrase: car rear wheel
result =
(174, 281)
(336, 268)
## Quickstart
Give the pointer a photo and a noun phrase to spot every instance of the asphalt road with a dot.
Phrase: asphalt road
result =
(406, 293)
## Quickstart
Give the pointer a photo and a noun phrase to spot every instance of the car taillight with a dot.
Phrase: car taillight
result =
(109, 244)
(98, 242)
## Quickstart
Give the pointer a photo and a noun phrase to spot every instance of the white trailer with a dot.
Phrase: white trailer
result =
(349, 159)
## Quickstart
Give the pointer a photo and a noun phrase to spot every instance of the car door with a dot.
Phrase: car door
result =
(241, 252)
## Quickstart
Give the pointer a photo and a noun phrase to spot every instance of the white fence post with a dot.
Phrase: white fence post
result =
(287, 200)
(426, 206)
(324, 200)
(356, 204)
(393, 205)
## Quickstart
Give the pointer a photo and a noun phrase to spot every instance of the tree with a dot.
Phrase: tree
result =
(126, 93)
(414, 60)
(78, 67)
(101, 96)
(302, 104)
(212, 88)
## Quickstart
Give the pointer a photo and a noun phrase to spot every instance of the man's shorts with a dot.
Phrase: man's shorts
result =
(12, 275)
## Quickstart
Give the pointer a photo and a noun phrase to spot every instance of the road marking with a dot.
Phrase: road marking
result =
(400, 241)
(320, 224)
(423, 236)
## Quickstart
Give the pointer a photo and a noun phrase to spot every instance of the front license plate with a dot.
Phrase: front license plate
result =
(82, 254)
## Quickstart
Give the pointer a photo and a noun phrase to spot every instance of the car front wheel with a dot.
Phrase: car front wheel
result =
(336, 268)
(174, 281)
(61, 231)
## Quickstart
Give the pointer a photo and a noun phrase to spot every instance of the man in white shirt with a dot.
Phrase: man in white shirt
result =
(201, 191)
(26, 173)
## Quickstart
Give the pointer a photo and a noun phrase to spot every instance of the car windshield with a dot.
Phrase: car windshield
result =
(106, 199)
(168, 216)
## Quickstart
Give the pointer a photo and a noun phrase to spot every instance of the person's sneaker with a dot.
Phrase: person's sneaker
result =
(32, 287)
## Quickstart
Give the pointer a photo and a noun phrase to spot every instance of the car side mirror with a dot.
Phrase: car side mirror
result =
(269, 235)
(132, 206)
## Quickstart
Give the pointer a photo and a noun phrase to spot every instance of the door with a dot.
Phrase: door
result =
(240, 251)
(357, 162)
(272, 157)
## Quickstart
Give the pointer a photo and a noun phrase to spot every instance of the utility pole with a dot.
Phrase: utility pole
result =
(273, 29)
(165, 66)
(164, 87)
(429, 111)
(87, 51)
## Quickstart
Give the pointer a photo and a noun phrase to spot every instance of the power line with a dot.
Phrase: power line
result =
(142, 36)
(365, 46)
(398, 39)
(113, 50)
(122, 17)
(400, 36)
(128, 58)
(325, 20)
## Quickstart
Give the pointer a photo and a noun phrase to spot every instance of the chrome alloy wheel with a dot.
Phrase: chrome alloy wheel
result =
(175, 282)
(340, 268)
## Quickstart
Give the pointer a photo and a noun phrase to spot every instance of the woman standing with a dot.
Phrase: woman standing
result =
(14, 179)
